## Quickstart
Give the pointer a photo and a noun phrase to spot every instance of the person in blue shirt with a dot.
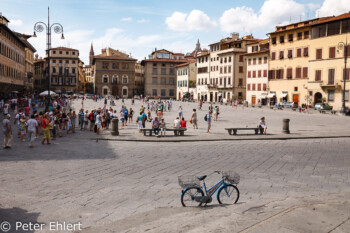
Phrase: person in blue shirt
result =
(144, 119)
(208, 120)
(126, 115)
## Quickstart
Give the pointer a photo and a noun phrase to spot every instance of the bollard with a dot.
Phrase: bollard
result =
(286, 126)
(114, 123)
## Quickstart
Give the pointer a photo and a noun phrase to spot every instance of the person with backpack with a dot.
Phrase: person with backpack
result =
(207, 118)
(126, 115)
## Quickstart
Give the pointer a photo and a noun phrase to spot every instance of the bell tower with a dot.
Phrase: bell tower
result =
(91, 55)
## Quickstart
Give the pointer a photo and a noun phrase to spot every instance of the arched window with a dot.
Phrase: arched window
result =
(105, 78)
(115, 79)
(125, 79)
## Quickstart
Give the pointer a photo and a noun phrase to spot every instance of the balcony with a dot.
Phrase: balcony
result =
(212, 86)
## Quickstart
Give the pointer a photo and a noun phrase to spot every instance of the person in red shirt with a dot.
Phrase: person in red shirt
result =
(183, 123)
(27, 110)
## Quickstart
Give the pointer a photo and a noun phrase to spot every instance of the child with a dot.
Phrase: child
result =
(162, 127)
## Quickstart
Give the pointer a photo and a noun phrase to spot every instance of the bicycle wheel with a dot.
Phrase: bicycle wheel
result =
(228, 194)
(188, 198)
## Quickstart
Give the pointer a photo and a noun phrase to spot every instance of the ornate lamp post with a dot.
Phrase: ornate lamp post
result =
(58, 28)
(345, 46)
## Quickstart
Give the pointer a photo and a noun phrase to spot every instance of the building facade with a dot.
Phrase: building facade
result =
(203, 75)
(114, 74)
(327, 63)
(289, 63)
(89, 78)
(12, 60)
(64, 64)
(40, 74)
(228, 69)
(257, 59)
(160, 73)
(186, 79)
(139, 79)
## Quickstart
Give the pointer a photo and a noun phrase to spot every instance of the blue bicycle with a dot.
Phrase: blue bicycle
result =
(192, 192)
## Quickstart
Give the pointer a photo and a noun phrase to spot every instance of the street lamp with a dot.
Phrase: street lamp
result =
(58, 28)
(342, 45)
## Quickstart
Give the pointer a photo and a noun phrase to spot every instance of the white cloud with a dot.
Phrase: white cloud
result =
(16, 22)
(333, 7)
(142, 21)
(126, 19)
(195, 21)
(273, 12)
(141, 40)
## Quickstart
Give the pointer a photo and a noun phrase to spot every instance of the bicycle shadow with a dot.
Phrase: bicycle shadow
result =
(212, 206)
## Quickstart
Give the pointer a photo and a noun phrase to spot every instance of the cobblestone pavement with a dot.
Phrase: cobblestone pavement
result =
(117, 186)
(112, 186)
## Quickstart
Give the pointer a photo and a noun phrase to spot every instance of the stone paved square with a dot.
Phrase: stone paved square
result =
(131, 186)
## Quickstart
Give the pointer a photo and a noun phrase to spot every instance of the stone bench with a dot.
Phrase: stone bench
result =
(233, 131)
(177, 132)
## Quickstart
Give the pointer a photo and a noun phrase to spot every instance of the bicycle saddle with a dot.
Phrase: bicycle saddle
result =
(201, 177)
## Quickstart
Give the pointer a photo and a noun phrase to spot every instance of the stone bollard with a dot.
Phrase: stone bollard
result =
(286, 126)
(114, 124)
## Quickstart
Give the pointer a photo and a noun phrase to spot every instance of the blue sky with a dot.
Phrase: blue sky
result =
(140, 26)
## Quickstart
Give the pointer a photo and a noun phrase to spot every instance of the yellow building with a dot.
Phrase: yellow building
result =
(289, 63)
(326, 62)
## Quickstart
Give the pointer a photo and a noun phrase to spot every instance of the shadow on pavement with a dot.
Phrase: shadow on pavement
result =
(18, 215)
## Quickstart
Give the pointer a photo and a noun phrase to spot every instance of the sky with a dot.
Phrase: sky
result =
(137, 27)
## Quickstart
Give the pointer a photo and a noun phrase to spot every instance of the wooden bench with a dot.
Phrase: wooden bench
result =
(271, 107)
(233, 131)
(294, 109)
(177, 132)
(322, 111)
(334, 112)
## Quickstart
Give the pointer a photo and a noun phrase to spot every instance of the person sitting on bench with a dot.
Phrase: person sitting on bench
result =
(262, 124)
(156, 126)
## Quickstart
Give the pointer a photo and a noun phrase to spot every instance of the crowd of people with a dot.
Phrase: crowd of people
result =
(33, 118)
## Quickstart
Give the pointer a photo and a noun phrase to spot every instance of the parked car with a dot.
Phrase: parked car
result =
(320, 106)
(289, 105)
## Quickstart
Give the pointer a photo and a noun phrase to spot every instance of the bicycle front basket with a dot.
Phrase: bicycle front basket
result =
(188, 180)
(232, 177)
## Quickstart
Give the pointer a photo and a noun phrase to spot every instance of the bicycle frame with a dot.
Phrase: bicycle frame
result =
(214, 188)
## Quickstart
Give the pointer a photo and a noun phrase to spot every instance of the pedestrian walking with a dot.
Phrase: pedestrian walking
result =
(46, 129)
(32, 127)
(7, 131)
(81, 118)
(208, 119)
(194, 119)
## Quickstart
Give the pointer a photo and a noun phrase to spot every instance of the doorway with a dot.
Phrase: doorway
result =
(296, 98)
(318, 98)
(253, 100)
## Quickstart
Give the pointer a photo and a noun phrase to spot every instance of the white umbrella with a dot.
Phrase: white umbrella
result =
(44, 93)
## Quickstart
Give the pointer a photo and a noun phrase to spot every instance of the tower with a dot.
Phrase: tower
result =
(91, 55)
(198, 46)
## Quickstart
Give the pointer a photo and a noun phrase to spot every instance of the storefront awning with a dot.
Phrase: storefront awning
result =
(283, 95)
(271, 95)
